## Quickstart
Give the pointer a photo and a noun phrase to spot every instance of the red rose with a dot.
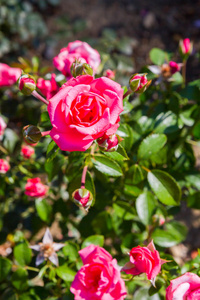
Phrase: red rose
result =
(35, 188)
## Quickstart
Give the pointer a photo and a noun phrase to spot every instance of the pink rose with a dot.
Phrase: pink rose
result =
(99, 278)
(186, 46)
(8, 75)
(108, 143)
(144, 260)
(110, 74)
(2, 127)
(35, 188)
(83, 110)
(174, 67)
(76, 50)
(4, 166)
(48, 87)
(27, 151)
(185, 287)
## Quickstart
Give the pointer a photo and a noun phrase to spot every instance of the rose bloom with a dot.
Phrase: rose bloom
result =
(8, 75)
(174, 67)
(76, 50)
(185, 287)
(99, 277)
(2, 127)
(35, 188)
(27, 151)
(144, 260)
(48, 87)
(4, 166)
(83, 110)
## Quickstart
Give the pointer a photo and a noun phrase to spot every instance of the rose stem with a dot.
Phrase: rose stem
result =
(44, 133)
(127, 93)
(83, 177)
(39, 97)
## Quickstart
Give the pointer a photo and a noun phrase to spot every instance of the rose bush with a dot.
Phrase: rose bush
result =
(35, 188)
(185, 287)
(83, 110)
(76, 50)
(99, 278)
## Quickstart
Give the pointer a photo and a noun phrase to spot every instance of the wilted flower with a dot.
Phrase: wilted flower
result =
(47, 249)
(166, 70)
(4, 166)
(108, 143)
(5, 249)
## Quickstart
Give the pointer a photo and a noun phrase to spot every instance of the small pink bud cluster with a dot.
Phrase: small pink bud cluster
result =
(108, 143)
(139, 83)
(185, 48)
(83, 198)
(27, 84)
(35, 188)
(110, 74)
(4, 166)
(174, 67)
(27, 151)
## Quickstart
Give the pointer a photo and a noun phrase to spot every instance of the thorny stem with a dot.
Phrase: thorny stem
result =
(39, 97)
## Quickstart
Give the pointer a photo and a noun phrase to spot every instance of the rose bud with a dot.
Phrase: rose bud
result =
(78, 68)
(174, 67)
(108, 143)
(27, 84)
(31, 134)
(4, 166)
(83, 198)
(110, 74)
(27, 151)
(139, 83)
(35, 188)
(3, 126)
(185, 48)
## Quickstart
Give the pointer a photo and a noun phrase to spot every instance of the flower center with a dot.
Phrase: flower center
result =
(47, 249)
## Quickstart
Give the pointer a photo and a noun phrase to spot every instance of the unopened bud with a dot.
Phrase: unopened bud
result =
(110, 74)
(31, 134)
(27, 84)
(185, 48)
(159, 219)
(83, 198)
(139, 83)
(108, 143)
(78, 68)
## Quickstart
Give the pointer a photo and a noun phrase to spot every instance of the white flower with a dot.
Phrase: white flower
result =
(47, 249)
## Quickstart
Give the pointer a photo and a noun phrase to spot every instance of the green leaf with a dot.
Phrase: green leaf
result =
(52, 150)
(22, 253)
(10, 139)
(19, 279)
(145, 205)
(71, 250)
(106, 166)
(45, 120)
(193, 200)
(9, 294)
(174, 234)
(123, 210)
(44, 210)
(119, 155)
(93, 239)
(166, 123)
(53, 167)
(65, 273)
(158, 56)
(5, 268)
(151, 145)
(165, 187)
(143, 294)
